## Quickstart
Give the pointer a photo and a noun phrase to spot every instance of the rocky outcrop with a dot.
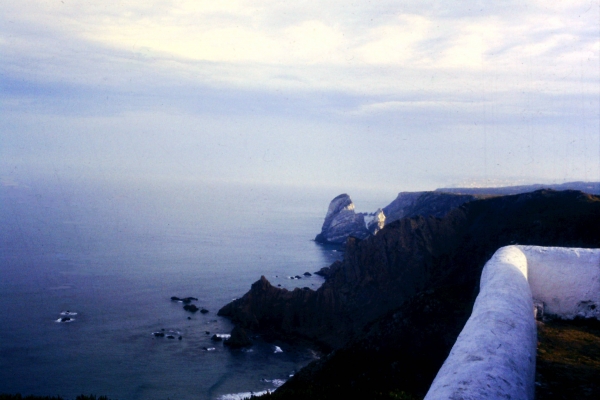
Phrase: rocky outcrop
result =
(342, 222)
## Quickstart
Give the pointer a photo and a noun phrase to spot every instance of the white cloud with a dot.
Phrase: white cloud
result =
(394, 44)
(353, 41)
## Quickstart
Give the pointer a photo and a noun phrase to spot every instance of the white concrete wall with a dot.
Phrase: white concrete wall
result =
(566, 280)
(494, 355)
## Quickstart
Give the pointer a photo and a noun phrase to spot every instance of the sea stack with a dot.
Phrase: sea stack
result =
(341, 222)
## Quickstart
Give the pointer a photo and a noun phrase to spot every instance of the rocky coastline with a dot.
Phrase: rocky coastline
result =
(342, 221)
(391, 310)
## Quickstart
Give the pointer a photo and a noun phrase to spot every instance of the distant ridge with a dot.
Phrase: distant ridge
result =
(586, 187)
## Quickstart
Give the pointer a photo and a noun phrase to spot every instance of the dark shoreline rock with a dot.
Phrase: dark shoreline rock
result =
(238, 339)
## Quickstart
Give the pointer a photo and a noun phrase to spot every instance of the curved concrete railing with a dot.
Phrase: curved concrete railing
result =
(494, 355)
(566, 280)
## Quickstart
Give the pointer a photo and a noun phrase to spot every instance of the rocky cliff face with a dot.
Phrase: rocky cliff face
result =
(394, 306)
(341, 222)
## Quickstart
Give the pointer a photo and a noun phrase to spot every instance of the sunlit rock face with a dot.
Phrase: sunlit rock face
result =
(341, 222)
(377, 222)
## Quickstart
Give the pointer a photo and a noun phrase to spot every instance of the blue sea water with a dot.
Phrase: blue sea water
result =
(115, 252)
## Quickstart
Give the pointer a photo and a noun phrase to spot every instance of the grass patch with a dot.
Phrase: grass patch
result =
(568, 360)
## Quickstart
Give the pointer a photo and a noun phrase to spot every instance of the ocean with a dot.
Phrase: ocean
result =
(110, 254)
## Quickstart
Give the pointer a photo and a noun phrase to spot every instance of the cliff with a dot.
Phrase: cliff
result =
(394, 306)
(342, 222)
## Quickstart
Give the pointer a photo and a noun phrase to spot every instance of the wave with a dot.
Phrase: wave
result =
(243, 395)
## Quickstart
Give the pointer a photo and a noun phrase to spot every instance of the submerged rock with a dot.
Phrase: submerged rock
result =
(191, 308)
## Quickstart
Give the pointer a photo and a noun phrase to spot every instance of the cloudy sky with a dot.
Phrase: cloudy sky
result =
(403, 95)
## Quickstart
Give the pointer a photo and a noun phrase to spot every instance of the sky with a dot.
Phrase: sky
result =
(381, 95)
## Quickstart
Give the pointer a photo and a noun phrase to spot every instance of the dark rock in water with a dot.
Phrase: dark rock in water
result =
(159, 334)
(189, 318)
(298, 277)
(185, 300)
(204, 311)
(207, 332)
(65, 319)
(170, 337)
(307, 274)
(216, 338)
(191, 308)
(342, 222)
(239, 338)
(180, 337)
(326, 272)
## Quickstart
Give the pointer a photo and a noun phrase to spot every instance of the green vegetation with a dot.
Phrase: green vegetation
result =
(568, 360)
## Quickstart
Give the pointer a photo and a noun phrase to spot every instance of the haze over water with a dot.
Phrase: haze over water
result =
(115, 253)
